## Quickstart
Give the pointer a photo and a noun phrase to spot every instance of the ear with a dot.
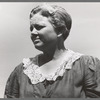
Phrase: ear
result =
(59, 35)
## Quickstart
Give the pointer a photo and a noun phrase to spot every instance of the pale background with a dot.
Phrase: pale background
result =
(15, 42)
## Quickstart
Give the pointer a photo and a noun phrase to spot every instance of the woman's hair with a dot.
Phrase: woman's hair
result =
(57, 16)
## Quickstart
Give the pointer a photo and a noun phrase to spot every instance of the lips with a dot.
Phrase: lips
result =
(35, 38)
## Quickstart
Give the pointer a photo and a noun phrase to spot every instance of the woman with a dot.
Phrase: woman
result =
(57, 72)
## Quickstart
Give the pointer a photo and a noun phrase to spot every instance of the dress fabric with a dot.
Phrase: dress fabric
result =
(81, 80)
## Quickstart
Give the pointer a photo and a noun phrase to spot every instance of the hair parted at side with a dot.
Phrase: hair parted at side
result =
(57, 15)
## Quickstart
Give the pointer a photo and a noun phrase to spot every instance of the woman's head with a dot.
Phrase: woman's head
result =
(57, 16)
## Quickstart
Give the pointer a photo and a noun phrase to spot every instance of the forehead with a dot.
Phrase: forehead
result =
(38, 18)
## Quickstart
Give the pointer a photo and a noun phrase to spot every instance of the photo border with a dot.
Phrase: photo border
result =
(3, 1)
(50, 1)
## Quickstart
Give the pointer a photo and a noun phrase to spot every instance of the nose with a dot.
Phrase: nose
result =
(34, 32)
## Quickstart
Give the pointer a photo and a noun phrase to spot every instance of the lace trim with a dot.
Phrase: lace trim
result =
(35, 75)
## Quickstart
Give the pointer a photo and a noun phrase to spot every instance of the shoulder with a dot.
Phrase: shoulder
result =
(19, 68)
(16, 71)
(88, 62)
(88, 58)
(88, 68)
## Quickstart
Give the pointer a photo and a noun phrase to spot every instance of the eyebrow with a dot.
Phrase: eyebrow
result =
(42, 24)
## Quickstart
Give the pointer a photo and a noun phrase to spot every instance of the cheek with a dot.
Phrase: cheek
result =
(50, 35)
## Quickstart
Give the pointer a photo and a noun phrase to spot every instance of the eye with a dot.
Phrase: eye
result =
(31, 28)
(38, 27)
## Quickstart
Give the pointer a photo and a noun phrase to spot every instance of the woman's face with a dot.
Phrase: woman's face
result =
(43, 34)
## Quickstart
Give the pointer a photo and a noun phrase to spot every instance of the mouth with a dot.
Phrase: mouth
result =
(35, 39)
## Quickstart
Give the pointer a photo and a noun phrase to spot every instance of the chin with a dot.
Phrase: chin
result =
(39, 47)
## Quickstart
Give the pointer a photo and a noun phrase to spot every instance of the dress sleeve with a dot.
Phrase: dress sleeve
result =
(92, 77)
(12, 86)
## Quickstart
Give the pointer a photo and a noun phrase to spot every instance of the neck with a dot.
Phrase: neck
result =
(55, 51)
(51, 54)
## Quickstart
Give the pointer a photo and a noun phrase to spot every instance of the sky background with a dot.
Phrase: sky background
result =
(15, 42)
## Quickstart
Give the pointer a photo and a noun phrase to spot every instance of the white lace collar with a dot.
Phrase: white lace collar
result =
(33, 71)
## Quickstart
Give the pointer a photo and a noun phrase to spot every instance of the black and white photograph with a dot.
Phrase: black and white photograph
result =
(49, 50)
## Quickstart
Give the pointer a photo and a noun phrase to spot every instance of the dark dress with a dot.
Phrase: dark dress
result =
(81, 81)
